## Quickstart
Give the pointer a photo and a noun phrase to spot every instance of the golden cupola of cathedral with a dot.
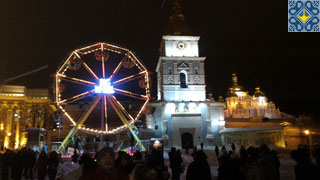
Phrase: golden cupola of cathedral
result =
(231, 93)
(235, 84)
(177, 24)
(258, 93)
(235, 87)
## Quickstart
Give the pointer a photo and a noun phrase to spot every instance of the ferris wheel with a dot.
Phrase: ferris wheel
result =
(110, 81)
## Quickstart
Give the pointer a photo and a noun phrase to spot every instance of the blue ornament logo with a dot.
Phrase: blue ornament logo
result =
(303, 16)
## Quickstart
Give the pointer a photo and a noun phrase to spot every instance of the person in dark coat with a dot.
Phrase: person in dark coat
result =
(316, 155)
(223, 148)
(304, 169)
(199, 168)
(230, 167)
(89, 165)
(233, 147)
(251, 164)
(30, 161)
(243, 154)
(176, 165)
(41, 165)
(276, 162)
(266, 163)
(217, 151)
(53, 164)
(75, 157)
(17, 168)
(154, 160)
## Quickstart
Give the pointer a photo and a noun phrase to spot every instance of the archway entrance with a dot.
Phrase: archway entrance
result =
(187, 140)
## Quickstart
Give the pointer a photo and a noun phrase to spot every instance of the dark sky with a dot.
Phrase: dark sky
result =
(250, 34)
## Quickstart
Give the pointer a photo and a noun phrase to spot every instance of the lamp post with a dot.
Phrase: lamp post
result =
(307, 132)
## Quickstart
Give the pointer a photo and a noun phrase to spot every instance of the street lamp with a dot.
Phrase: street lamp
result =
(307, 132)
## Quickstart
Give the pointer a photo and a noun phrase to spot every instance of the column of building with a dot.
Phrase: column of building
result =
(3, 111)
(8, 126)
(209, 125)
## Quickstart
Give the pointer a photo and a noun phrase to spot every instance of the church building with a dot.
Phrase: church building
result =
(239, 104)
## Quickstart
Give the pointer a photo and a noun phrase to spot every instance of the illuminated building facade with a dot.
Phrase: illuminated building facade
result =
(182, 115)
(239, 104)
(253, 120)
(21, 109)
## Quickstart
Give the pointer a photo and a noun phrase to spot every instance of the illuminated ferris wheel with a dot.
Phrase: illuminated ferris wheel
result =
(109, 80)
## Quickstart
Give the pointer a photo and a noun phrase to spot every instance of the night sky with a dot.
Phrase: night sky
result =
(252, 35)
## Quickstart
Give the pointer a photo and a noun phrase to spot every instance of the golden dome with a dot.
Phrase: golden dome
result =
(235, 84)
(177, 24)
(231, 93)
(258, 92)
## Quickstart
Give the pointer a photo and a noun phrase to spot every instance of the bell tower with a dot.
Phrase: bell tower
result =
(183, 116)
(180, 70)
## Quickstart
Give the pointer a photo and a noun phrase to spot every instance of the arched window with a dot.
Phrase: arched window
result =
(196, 70)
(169, 70)
(183, 79)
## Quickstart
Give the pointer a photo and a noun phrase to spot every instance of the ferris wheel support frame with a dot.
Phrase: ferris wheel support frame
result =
(74, 130)
(119, 112)
(124, 121)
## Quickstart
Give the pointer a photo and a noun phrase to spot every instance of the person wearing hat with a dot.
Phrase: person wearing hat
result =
(106, 167)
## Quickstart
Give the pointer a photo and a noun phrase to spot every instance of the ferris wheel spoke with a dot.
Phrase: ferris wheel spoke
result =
(130, 94)
(89, 111)
(119, 112)
(77, 97)
(129, 78)
(76, 80)
(102, 63)
(118, 67)
(85, 65)
(105, 115)
(122, 108)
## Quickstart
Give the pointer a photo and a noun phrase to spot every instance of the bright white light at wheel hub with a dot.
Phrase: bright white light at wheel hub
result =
(104, 87)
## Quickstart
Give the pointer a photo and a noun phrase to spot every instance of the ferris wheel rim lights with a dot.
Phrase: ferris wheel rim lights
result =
(105, 86)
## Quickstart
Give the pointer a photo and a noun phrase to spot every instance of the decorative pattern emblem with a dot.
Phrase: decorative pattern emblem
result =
(303, 16)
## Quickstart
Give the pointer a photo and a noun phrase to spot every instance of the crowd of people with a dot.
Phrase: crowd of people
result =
(27, 164)
(250, 163)
(262, 163)
(147, 166)
(106, 165)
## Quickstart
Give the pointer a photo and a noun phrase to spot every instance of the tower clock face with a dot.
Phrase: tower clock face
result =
(181, 45)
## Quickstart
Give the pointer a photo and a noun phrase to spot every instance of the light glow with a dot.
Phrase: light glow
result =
(307, 132)
(219, 122)
(104, 87)
(170, 108)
